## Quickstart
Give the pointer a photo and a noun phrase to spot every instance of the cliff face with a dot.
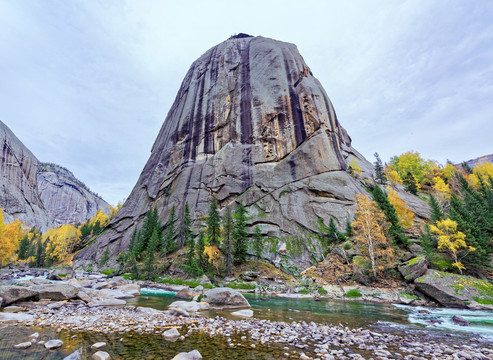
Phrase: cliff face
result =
(39, 194)
(250, 124)
(65, 198)
(19, 197)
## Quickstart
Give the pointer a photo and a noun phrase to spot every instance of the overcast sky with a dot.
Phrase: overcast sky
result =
(87, 84)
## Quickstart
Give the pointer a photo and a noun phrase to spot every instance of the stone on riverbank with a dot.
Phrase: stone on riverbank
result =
(11, 294)
(107, 302)
(225, 298)
(130, 289)
(189, 306)
(184, 294)
(171, 334)
(243, 313)
(98, 345)
(192, 355)
(23, 345)
(56, 292)
(453, 290)
(101, 355)
(459, 320)
(15, 317)
(414, 268)
(13, 309)
(76, 355)
(53, 344)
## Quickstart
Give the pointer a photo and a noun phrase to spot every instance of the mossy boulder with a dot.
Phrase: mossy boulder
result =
(414, 268)
(453, 290)
(361, 270)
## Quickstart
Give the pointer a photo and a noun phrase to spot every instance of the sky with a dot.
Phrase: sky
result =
(88, 84)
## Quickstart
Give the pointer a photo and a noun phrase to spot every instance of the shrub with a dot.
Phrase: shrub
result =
(354, 293)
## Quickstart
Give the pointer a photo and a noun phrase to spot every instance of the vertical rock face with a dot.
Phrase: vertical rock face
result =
(39, 194)
(19, 197)
(66, 199)
(250, 124)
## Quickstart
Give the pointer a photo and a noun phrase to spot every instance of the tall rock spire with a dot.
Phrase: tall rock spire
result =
(250, 124)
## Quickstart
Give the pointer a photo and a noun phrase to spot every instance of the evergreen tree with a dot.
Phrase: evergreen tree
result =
(240, 234)
(151, 224)
(96, 228)
(257, 245)
(213, 224)
(24, 248)
(133, 266)
(436, 210)
(349, 228)
(466, 167)
(134, 241)
(150, 257)
(85, 230)
(169, 244)
(40, 257)
(379, 170)
(411, 183)
(332, 233)
(395, 230)
(202, 259)
(228, 225)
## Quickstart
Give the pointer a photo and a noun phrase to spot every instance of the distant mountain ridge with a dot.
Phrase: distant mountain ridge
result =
(481, 159)
(41, 194)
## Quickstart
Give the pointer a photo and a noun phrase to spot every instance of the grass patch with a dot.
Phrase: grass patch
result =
(107, 272)
(409, 296)
(180, 281)
(303, 291)
(322, 291)
(128, 276)
(241, 285)
(415, 260)
(353, 294)
(62, 275)
(483, 301)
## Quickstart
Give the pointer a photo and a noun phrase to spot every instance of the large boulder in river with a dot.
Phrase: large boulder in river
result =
(225, 298)
(13, 293)
(414, 268)
(453, 290)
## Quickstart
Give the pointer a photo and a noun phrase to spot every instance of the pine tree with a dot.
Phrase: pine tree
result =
(202, 258)
(151, 223)
(332, 233)
(213, 224)
(227, 239)
(379, 170)
(40, 257)
(257, 245)
(24, 246)
(349, 228)
(240, 234)
(150, 257)
(169, 244)
(411, 183)
(134, 241)
(436, 210)
(395, 230)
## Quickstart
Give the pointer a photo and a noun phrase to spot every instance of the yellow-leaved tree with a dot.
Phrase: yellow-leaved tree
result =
(393, 176)
(368, 226)
(481, 170)
(451, 240)
(354, 168)
(10, 236)
(100, 217)
(61, 241)
(442, 190)
(405, 215)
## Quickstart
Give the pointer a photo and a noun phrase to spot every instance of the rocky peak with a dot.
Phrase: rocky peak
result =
(250, 124)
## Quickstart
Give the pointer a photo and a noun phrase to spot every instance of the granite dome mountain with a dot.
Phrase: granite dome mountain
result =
(40, 194)
(250, 124)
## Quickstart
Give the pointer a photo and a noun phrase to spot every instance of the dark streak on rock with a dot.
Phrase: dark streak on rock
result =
(334, 140)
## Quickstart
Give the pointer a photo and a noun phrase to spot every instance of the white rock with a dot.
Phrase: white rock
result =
(34, 337)
(12, 309)
(192, 355)
(23, 345)
(108, 302)
(189, 306)
(98, 345)
(171, 334)
(53, 344)
(243, 313)
(15, 317)
(101, 355)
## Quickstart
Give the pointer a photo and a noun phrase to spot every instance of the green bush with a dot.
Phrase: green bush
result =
(322, 291)
(108, 271)
(353, 294)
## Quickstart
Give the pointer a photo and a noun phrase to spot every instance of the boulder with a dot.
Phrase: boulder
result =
(118, 281)
(171, 334)
(40, 281)
(11, 294)
(361, 268)
(459, 320)
(192, 355)
(249, 275)
(416, 249)
(204, 280)
(117, 294)
(100, 355)
(178, 312)
(414, 268)
(130, 289)
(452, 290)
(61, 274)
(225, 298)
(107, 302)
(56, 292)
(13, 309)
(98, 345)
(184, 294)
(189, 306)
(23, 345)
(15, 317)
(76, 355)
(53, 344)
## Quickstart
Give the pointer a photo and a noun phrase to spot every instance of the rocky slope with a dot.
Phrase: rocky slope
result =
(19, 196)
(485, 158)
(66, 199)
(39, 194)
(250, 124)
